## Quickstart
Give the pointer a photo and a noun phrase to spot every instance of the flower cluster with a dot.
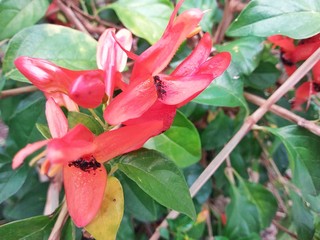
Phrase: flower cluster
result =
(291, 54)
(145, 107)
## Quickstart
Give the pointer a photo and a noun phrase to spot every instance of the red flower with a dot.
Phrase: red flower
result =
(148, 86)
(86, 88)
(292, 54)
(80, 154)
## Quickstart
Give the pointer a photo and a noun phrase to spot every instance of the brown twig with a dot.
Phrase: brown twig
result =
(72, 17)
(282, 228)
(245, 128)
(17, 91)
(286, 114)
(230, 7)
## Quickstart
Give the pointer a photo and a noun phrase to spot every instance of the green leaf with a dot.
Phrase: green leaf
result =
(245, 53)
(303, 150)
(68, 231)
(21, 205)
(90, 122)
(137, 202)
(264, 76)
(264, 201)
(64, 46)
(44, 130)
(218, 132)
(181, 143)
(263, 18)
(242, 216)
(224, 91)
(22, 124)
(211, 8)
(302, 217)
(191, 174)
(10, 180)
(18, 14)
(160, 178)
(28, 229)
(144, 18)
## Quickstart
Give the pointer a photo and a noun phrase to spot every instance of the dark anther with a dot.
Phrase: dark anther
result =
(85, 164)
(159, 86)
(284, 60)
(316, 87)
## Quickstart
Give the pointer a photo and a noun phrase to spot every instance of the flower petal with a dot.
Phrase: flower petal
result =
(110, 56)
(156, 58)
(84, 192)
(285, 43)
(88, 89)
(125, 139)
(58, 123)
(45, 75)
(76, 143)
(178, 90)
(198, 56)
(303, 51)
(158, 111)
(303, 93)
(26, 151)
(63, 100)
(131, 103)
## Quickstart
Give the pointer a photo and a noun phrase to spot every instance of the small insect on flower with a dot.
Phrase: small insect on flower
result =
(86, 164)
(159, 86)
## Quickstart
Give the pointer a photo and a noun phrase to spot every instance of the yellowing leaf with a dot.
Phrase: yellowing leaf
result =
(106, 224)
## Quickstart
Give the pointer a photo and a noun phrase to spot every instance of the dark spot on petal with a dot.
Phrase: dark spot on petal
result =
(159, 86)
(316, 87)
(86, 164)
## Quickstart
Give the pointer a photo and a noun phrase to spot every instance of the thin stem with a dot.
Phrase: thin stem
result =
(62, 218)
(284, 113)
(97, 118)
(72, 17)
(17, 91)
(282, 228)
(245, 128)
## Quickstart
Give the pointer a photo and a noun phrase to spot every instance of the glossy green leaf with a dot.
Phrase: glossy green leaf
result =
(44, 130)
(263, 18)
(303, 150)
(264, 76)
(218, 132)
(191, 174)
(64, 46)
(21, 205)
(22, 127)
(264, 201)
(144, 18)
(137, 202)
(242, 216)
(302, 218)
(181, 143)
(224, 91)
(18, 14)
(160, 178)
(209, 6)
(10, 180)
(245, 53)
(90, 122)
(68, 231)
(28, 229)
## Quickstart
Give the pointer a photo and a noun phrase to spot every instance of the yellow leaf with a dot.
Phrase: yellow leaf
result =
(106, 224)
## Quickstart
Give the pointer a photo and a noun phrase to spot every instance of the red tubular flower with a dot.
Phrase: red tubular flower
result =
(86, 88)
(147, 86)
(80, 154)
